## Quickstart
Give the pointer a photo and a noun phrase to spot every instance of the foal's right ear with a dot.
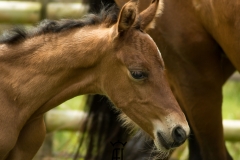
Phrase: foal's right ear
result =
(127, 16)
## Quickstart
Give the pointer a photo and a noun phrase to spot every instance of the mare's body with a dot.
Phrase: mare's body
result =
(108, 54)
(199, 41)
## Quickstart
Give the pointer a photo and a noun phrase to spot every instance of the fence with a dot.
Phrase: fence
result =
(32, 12)
(57, 120)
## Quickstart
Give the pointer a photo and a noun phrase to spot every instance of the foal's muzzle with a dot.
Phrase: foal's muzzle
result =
(178, 136)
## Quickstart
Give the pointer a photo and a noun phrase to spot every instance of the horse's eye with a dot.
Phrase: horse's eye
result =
(138, 75)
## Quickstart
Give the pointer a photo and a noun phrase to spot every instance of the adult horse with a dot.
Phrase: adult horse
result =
(108, 54)
(199, 41)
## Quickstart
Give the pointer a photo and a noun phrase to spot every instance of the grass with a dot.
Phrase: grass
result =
(64, 143)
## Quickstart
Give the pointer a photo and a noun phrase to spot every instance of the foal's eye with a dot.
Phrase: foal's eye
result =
(138, 75)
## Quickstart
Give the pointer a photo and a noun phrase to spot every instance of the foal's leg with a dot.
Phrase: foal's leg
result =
(29, 140)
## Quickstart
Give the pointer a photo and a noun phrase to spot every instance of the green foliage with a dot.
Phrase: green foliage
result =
(231, 110)
(65, 143)
(231, 101)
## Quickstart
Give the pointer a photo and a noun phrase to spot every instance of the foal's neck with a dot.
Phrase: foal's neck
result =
(67, 46)
(45, 70)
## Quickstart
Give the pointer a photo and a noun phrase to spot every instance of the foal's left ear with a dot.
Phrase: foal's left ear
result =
(127, 16)
(147, 17)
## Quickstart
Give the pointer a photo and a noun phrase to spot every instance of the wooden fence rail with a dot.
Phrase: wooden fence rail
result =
(73, 121)
(59, 120)
(235, 77)
(31, 12)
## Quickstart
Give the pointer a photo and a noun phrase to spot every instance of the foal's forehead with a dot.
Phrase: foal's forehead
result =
(145, 44)
(141, 50)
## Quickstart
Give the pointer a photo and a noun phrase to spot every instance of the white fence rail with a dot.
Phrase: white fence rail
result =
(73, 121)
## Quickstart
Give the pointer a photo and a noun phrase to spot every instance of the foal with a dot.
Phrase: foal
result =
(108, 54)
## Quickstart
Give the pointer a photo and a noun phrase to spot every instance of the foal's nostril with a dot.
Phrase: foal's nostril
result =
(179, 136)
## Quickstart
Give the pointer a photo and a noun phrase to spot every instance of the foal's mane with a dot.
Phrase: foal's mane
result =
(107, 17)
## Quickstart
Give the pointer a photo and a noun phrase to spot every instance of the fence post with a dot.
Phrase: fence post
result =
(43, 11)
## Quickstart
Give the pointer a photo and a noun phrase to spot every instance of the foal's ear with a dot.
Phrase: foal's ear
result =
(147, 17)
(127, 16)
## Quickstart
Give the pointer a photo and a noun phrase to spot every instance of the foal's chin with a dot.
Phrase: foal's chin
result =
(160, 147)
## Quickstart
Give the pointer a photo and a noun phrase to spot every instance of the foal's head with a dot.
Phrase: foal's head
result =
(135, 79)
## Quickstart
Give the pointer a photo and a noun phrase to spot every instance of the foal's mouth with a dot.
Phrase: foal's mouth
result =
(163, 141)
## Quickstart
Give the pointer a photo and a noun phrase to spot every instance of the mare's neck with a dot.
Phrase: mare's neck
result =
(46, 70)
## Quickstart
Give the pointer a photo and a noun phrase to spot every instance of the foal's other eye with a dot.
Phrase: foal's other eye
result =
(138, 75)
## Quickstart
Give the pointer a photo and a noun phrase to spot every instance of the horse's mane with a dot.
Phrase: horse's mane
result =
(107, 16)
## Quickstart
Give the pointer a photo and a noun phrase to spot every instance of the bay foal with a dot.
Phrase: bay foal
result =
(107, 54)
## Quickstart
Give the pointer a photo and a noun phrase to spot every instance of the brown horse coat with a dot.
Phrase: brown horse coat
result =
(199, 41)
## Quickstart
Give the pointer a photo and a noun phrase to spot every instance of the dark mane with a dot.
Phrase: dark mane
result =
(107, 16)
